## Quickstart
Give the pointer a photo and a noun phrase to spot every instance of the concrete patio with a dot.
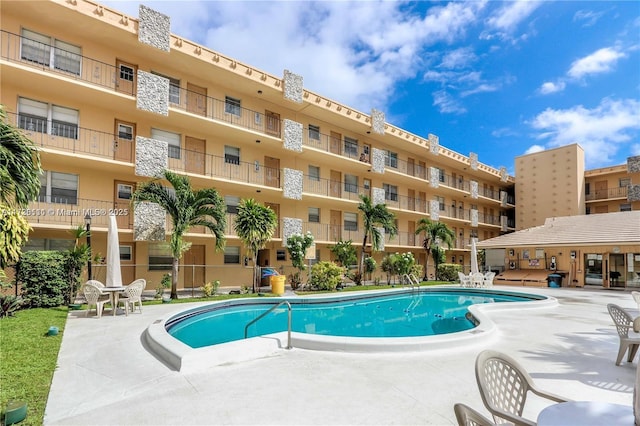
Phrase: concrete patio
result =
(105, 376)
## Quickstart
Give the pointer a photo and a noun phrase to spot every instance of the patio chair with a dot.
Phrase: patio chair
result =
(95, 297)
(504, 386)
(133, 295)
(465, 280)
(623, 322)
(488, 279)
(477, 279)
(636, 297)
(467, 416)
(96, 283)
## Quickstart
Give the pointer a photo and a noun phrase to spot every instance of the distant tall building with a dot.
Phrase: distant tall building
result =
(112, 100)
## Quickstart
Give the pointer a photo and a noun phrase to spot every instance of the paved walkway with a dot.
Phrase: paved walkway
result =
(105, 376)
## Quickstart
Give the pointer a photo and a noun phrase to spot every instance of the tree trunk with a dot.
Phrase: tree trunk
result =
(361, 265)
(174, 278)
(255, 272)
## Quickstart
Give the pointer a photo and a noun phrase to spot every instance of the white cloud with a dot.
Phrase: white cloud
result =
(446, 103)
(509, 16)
(534, 148)
(599, 131)
(600, 61)
(551, 87)
(458, 58)
(588, 17)
(482, 88)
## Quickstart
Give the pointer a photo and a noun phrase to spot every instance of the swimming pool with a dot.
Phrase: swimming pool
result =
(414, 326)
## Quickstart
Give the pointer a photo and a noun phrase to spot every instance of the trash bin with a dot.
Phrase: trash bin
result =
(277, 284)
(554, 280)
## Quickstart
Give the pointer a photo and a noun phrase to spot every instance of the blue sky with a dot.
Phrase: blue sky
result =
(498, 78)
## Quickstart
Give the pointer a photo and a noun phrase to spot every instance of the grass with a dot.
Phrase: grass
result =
(28, 358)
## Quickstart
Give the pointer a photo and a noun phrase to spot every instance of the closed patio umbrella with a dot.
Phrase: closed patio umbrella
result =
(474, 257)
(114, 274)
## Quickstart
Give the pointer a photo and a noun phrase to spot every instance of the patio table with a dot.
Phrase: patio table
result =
(586, 413)
(114, 295)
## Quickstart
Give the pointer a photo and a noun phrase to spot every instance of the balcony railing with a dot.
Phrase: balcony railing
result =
(333, 188)
(60, 212)
(607, 193)
(86, 141)
(15, 48)
(337, 146)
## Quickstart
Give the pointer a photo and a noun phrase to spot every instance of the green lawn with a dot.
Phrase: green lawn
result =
(28, 358)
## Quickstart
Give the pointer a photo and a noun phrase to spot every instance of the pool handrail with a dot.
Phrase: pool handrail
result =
(274, 307)
(411, 279)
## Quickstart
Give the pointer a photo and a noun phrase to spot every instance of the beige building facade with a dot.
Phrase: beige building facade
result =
(112, 100)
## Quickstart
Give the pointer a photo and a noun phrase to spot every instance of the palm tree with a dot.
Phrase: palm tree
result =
(435, 234)
(255, 225)
(186, 208)
(373, 218)
(19, 166)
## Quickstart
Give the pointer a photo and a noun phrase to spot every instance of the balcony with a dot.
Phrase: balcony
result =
(61, 213)
(336, 146)
(607, 194)
(332, 188)
(18, 49)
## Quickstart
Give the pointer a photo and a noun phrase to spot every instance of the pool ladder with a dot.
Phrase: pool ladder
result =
(411, 280)
(273, 308)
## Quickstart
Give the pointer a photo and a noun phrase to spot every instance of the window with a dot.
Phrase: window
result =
(587, 188)
(366, 183)
(314, 214)
(350, 147)
(232, 255)
(441, 175)
(160, 258)
(390, 192)
(56, 187)
(34, 116)
(351, 183)
(124, 191)
(125, 253)
(174, 88)
(232, 203)
(281, 255)
(391, 159)
(440, 201)
(587, 210)
(314, 173)
(231, 154)
(232, 106)
(314, 133)
(37, 48)
(173, 139)
(625, 207)
(126, 73)
(41, 244)
(350, 221)
(624, 182)
(125, 132)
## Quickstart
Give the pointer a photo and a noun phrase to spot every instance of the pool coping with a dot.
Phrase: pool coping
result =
(181, 357)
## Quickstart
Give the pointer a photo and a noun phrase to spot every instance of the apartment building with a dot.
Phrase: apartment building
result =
(112, 100)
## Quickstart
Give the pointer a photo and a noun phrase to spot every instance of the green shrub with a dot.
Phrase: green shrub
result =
(326, 276)
(9, 305)
(448, 271)
(44, 278)
(211, 288)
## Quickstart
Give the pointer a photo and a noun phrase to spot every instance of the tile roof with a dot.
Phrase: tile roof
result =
(606, 228)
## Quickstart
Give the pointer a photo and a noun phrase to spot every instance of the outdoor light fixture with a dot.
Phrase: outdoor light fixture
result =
(87, 223)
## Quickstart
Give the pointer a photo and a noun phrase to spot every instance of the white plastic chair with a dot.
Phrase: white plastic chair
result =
(488, 279)
(477, 279)
(636, 297)
(504, 386)
(95, 297)
(133, 295)
(467, 416)
(624, 322)
(465, 280)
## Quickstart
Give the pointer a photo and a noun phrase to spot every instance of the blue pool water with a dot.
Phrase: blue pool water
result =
(413, 313)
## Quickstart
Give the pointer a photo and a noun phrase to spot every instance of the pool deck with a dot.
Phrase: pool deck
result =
(106, 376)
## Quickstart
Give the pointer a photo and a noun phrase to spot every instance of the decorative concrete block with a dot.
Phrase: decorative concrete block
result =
(473, 187)
(377, 160)
(377, 196)
(149, 222)
(290, 226)
(473, 160)
(293, 86)
(503, 223)
(154, 28)
(434, 144)
(474, 217)
(633, 193)
(377, 121)
(434, 177)
(434, 210)
(633, 164)
(152, 157)
(382, 240)
(293, 183)
(292, 135)
(503, 198)
(153, 93)
(503, 174)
